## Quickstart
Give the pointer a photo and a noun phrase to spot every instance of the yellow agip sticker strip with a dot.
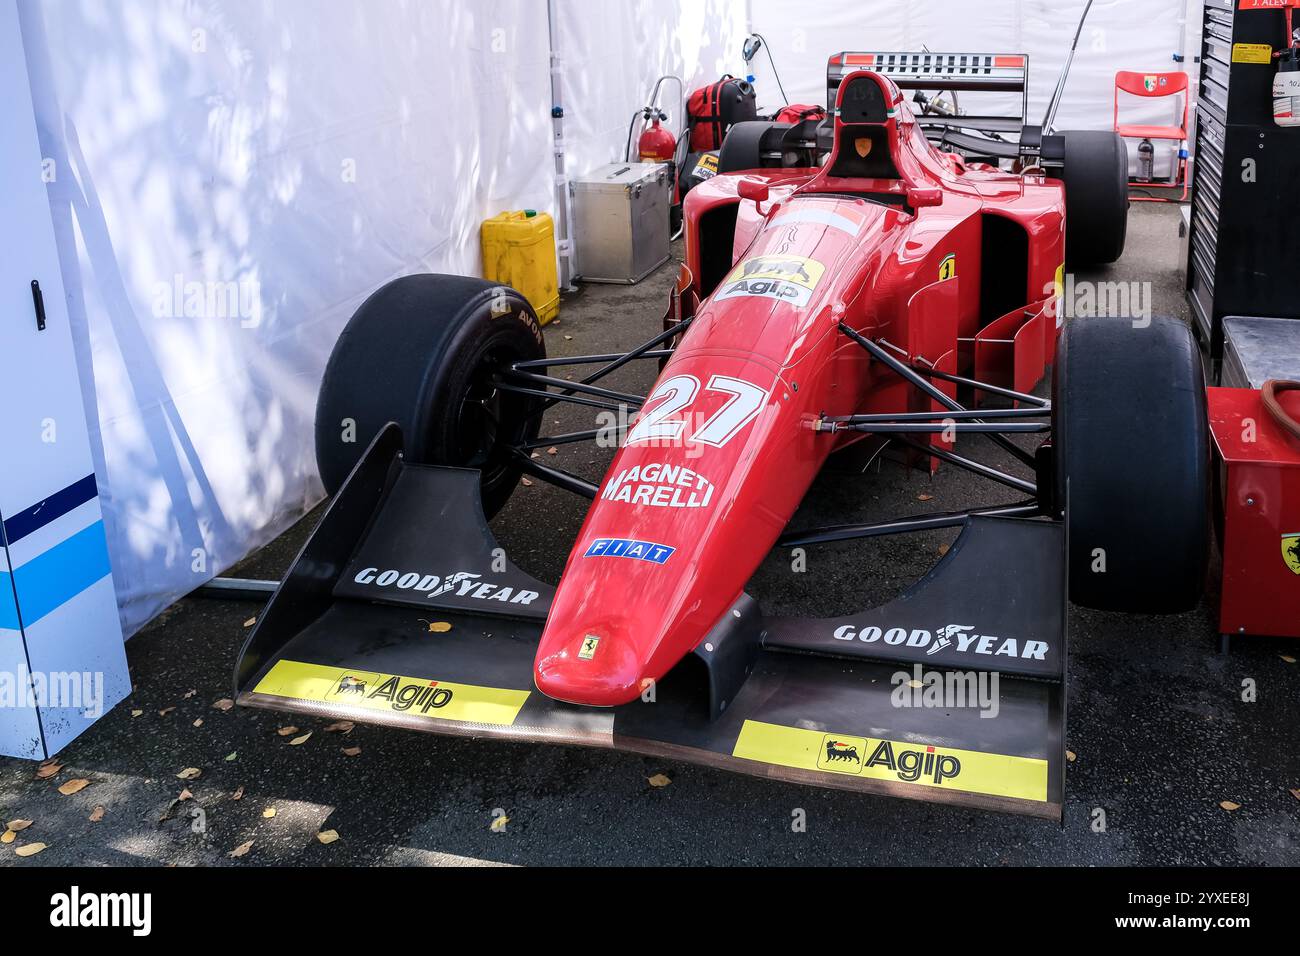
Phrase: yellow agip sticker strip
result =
(390, 693)
(998, 775)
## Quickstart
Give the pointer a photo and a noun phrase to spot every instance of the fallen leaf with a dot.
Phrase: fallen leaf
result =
(1288, 658)
(48, 770)
(535, 456)
(223, 705)
(189, 773)
(137, 713)
(1071, 756)
(18, 826)
(165, 711)
(499, 824)
(340, 727)
(328, 836)
(352, 751)
(232, 756)
(439, 627)
(96, 814)
(527, 482)
(925, 497)
(73, 786)
(659, 780)
(238, 794)
(189, 693)
(287, 731)
(241, 850)
(250, 622)
(185, 795)
(944, 549)
(1230, 806)
(8, 837)
(269, 813)
(1296, 794)
(552, 451)
(198, 723)
(30, 849)
(299, 741)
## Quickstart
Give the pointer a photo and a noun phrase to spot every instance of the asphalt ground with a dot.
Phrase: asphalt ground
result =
(1161, 734)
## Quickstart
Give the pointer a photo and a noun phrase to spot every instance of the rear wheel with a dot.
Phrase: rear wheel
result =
(1132, 450)
(1096, 197)
(423, 352)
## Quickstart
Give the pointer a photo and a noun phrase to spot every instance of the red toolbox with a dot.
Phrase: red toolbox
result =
(1257, 444)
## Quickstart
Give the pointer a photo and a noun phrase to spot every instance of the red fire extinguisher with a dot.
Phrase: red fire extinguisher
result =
(656, 145)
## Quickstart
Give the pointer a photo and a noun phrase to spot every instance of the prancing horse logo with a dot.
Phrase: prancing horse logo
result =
(1291, 551)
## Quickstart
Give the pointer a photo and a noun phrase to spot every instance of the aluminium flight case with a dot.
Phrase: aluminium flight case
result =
(622, 221)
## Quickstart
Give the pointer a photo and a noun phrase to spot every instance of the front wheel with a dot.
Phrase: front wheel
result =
(424, 351)
(1132, 462)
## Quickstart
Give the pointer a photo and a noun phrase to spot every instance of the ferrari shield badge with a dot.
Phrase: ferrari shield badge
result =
(863, 145)
(1291, 551)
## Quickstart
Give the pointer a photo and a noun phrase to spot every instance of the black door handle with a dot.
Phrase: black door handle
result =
(38, 300)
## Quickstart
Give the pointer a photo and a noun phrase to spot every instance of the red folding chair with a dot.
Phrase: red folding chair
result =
(1149, 86)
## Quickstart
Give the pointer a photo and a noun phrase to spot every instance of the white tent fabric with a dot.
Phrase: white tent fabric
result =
(231, 178)
(1120, 34)
(614, 51)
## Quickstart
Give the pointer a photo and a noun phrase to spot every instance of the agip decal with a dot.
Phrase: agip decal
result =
(392, 693)
(788, 279)
(893, 761)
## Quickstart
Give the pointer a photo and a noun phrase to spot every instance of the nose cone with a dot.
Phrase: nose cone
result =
(595, 666)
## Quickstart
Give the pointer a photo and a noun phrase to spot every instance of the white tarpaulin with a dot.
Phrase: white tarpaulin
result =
(615, 50)
(1138, 35)
(230, 179)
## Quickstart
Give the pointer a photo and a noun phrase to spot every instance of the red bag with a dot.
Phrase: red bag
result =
(713, 109)
(799, 112)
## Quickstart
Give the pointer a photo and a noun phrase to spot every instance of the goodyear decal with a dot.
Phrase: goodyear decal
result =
(1291, 551)
(948, 269)
(789, 279)
(997, 775)
(389, 693)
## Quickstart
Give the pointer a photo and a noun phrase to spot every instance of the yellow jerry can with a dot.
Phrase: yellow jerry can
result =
(519, 251)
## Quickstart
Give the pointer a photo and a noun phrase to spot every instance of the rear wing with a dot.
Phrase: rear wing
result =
(960, 72)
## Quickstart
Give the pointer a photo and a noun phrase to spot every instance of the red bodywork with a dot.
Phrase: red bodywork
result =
(725, 449)
(1259, 490)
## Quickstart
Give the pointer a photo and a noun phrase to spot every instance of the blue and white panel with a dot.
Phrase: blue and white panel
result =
(63, 605)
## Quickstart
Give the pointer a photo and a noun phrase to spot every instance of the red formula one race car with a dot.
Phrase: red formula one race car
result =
(854, 285)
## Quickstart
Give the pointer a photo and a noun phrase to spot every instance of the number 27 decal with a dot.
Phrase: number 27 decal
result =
(679, 392)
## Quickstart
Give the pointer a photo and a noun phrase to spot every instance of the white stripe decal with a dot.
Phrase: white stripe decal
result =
(820, 218)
